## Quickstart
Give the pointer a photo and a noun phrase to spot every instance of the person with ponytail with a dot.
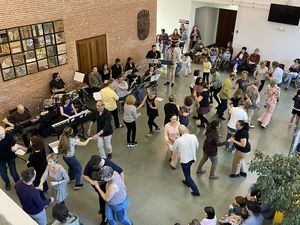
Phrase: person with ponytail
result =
(210, 149)
(66, 147)
(243, 147)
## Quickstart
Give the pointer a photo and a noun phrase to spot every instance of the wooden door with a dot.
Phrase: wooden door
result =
(91, 52)
(226, 25)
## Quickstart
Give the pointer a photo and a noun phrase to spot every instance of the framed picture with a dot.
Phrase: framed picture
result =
(40, 53)
(51, 50)
(49, 39)
(60, 37)
(37, 30)
(52, 62)
(39, 42)
(62, 59)
(18, 59)
(6, 62)
(43, 64)
(61, 49)
(58, 26)
(8, 74)
(26, 32)
(13, 34)
(48, 28)
(3, 36)
(31, 48)
(32, 68)
(30, 56)
(28, 45)
(4, 49)
(20, 71)
(15, 47)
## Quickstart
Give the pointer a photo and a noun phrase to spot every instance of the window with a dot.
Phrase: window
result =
(32, 48)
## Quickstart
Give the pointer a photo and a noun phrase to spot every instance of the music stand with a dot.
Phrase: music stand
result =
(153, 61)
(127, 73)
(167, 62)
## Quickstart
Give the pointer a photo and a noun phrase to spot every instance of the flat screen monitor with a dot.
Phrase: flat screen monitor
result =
(284, 14)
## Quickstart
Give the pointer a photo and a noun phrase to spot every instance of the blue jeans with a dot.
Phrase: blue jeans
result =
(186, 169)
(178, 68)
(12, 168)
(40, 218)
(118, 212)
(229, 135)
(75, 169)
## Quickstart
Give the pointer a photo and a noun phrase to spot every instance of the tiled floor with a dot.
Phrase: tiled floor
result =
(157, 195)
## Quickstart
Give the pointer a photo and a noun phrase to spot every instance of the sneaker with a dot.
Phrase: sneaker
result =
(167, 83)
(243, 174)
(157, 129)
(201, 171)
(7, 187)
(121, 126)
(252, 126)
(172, 85)
(213, 177)
(149, 134)
(129, 145)
(79, 186)
(234, 175)
(109, 155)
(222, 118)
(104, 222)
(290, 125)
(195, 194)
(195, 117)
(134, 144)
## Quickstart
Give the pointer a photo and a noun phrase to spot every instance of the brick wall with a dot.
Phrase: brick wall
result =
(82, 19)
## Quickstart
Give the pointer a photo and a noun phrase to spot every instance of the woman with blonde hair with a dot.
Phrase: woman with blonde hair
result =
(129, 118)
(66, 147)
(58, 179)
(272, 94)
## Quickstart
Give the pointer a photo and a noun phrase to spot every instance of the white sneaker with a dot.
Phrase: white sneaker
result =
(252, 126)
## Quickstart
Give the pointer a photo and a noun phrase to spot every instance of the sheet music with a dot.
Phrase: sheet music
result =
(97, 96)
(154, 78)
(79, 76)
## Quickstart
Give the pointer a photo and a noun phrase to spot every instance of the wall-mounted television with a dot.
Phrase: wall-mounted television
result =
(284, 14)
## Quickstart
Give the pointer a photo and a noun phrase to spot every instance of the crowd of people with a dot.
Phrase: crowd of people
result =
(126, 88)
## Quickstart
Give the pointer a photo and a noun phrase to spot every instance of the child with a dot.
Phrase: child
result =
(185, 110)
(186, 59)
(225, 59)
(296, 110)
(192, 85)
(206, 69)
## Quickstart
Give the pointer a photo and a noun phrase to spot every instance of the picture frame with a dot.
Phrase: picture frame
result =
(32, 48)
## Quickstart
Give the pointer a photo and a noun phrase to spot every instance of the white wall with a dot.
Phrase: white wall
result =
(276, 41)
(169, 12)
(206, 19)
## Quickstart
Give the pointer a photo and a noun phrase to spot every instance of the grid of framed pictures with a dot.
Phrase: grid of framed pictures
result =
(32, 48)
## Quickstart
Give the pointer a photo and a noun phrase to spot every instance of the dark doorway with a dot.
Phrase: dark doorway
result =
(91, 52)
(226, 26)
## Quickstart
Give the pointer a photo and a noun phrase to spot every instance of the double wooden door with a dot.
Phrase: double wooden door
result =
(91, 52)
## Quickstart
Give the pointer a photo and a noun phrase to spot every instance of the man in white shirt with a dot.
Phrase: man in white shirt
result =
(277, 73)
(173, 55)
(236, 114)
(185, 148)
(120, 86)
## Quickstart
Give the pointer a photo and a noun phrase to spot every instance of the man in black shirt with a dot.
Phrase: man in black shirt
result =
(104, 129)
(57, 85)
(94, 165)
(8, 147)
(21, 115)
(170, 109)
(116, 69)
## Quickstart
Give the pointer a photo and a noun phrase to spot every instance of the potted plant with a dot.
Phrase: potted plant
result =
(279, 183)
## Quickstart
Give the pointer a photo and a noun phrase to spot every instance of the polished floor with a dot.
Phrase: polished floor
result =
(157, 195)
